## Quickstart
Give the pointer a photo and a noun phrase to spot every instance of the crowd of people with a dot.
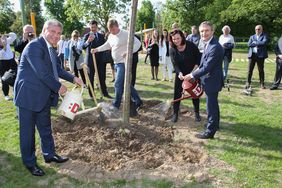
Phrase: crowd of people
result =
(199, 57)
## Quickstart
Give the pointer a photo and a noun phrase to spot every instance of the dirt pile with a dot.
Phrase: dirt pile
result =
(150, 146)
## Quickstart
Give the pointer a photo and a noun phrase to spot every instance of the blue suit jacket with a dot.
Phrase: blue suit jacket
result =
(260, 43)
(210, 69)
(35, 84)
(94, 44)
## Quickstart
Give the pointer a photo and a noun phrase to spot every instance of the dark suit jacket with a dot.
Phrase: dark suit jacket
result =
(260, 43)
(210, 69)
(94, 44)
(35, 84)
(278, 51)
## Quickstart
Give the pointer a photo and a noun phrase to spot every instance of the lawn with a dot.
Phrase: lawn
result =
(250, 138)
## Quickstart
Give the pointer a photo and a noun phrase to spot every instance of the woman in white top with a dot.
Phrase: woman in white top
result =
(7, 60)
(73, 55)
(227, 42)
(164, 56)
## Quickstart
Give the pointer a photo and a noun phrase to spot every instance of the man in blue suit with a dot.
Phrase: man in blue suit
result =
(36, 89)
(257, 54)
(210, 72)
(93, 39)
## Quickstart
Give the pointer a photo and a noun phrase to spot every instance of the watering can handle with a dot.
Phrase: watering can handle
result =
(81, 89)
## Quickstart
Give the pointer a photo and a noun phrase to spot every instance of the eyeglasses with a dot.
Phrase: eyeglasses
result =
(257, 29)
(75, 36)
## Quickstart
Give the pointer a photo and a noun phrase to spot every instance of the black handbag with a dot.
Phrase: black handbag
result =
(9, 77)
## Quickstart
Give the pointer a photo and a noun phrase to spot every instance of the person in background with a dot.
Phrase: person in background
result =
(108, 58)
(175, 26)
(257, 54)
(135, 60)
(211, 74)
(154, 58)
(74, 56)
(185, 34)
(117, 42)
(92, 40)
(227, 42)
(61, 49)
(28, 35)
(7, 59)
(164, 47)
(37, 88)
(185, 57)
(278, 73)
(194, 36)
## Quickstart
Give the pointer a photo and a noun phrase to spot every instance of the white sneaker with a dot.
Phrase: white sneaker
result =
(7, 98)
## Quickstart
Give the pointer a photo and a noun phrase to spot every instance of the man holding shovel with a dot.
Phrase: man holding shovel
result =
(117, 42)
(93, 39)
(37, 88)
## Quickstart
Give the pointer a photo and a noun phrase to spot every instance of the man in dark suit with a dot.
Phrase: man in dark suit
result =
(36, 89)
(93, 39)
(257, 54)
(211, 74)
(278, 73)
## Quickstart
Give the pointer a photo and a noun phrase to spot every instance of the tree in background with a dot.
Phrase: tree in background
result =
(100, 10)
(57, 9)
(145, 15)
(7, 16)
(30, 5)
(185, 12)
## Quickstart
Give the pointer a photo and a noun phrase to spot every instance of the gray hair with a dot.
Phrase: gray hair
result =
(52, 23)
(207, 23)
(26, 26)
(226, 27)
(111, 23)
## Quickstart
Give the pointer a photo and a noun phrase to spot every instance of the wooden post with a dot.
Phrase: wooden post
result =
(128, 63)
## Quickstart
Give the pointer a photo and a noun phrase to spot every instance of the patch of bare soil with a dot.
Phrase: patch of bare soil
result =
(150, 146)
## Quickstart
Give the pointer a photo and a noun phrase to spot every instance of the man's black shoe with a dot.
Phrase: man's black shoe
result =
(174, 118)
(57, 159)
(108, 96)
(205, 135)
(133, 112)
(138, 105)
(197, 117)
(35, 170)
(273, 88)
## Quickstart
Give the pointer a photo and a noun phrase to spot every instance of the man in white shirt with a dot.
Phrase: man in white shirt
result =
(117, 42)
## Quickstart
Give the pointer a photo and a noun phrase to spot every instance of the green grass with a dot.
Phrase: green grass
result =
(250, 138)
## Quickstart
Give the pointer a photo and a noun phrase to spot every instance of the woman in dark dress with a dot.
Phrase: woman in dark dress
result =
(185, 57)
(154, 58)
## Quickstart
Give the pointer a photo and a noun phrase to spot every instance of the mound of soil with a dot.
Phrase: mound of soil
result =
(150, 146)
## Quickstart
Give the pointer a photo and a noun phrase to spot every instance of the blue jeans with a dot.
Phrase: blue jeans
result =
(119, 86)
(225, 67)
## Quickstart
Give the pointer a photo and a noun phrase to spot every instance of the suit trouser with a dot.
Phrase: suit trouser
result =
(213, 112)
(260, 63)
(101, 66)
(278, 74)
(178, 93)
(42, 120)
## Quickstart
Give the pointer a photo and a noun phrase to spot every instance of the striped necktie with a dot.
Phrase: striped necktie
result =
(54, 59)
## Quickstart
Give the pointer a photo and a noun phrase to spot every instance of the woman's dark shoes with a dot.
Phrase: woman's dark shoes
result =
(57, 159)
(174, 118)
(197, 117)
(205, 135)
(35, 170)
